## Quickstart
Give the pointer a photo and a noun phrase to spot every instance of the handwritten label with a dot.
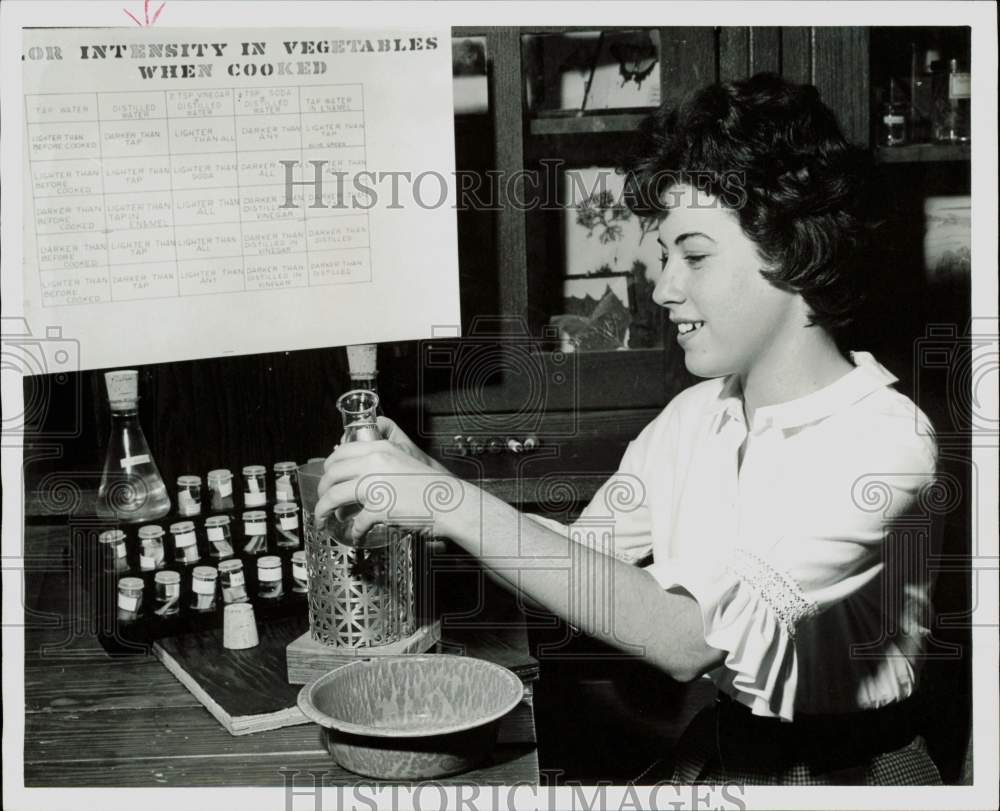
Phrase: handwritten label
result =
(216, 534)
(200, 586)
(127, 603)
(226, 488)
(269, 575)
(133, 461)
(184, 539)
(254, 499)
(289, 522)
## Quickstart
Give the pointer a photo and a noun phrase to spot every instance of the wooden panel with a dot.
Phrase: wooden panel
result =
(796, 54)
(688, 61)
(734, 53)
(840, 67)
(765, 50)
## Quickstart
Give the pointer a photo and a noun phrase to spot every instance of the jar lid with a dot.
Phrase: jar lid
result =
(112, 536)
(285, 507)
(150, 531)
(205, 572)
(217, 521)
(255, 515)
(130, 583)
(231, 565)
(269, 562)
(182, 526)
(285, 467)
(299, 557)
(167, 578)
(188, 480)
(218, 476)
(254, 470)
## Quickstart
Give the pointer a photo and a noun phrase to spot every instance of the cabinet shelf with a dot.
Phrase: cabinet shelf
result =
(581, 124)
(923, 153)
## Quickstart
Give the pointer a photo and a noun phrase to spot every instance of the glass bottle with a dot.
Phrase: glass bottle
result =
(254, 486)
(286, 525)
(269, 578)
(151, 548)
(300, 574)
(168, 593)
(204, 582)
(129, 598)
(220, 490)
(234, 589)
(185, 543)
(220, 544)
(286, 481)
(359, 411)
(114, 551)
(894, 118)
(254, 533)
(951, 119)
(189, 495)
(131, 488)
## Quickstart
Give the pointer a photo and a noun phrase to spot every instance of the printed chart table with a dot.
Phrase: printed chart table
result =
(144, 195)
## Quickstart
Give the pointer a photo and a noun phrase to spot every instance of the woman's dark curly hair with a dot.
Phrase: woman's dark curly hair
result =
(771, 151)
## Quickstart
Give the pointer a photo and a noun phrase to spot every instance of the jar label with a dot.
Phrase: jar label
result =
(200, 586)
(216, 534)
(120, 550)
(255, 498)
(132, 461)
(127, 603)
(184, 498)
(191, 508)
(959, 85)
(226, 488)
(893, 120)
(184, 539)
(299, 572)
(289, 522)
(254, 528)
(147, 563)
(235, 579)
(268, 575)
(172, 590)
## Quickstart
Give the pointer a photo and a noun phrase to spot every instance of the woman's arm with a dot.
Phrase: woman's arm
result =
(608, 599)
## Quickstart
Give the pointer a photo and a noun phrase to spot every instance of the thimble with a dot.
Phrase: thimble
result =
(239, 628)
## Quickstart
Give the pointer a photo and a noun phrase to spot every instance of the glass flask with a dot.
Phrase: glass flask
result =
(131, 489)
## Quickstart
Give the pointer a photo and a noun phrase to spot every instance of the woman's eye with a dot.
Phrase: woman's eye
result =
(664, 258)
(694, 259)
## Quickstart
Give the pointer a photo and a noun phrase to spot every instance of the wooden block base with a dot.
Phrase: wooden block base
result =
(308, 658)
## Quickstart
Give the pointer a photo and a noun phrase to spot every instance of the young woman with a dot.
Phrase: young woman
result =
(764, 494)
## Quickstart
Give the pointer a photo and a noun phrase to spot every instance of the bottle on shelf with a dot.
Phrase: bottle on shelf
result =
(131, 488)
(254, 534)
(189, 495)
(951, 120)
(220, 490)
(286, 481)
(254, 486)
(203, 591)
(218, 532)
(894, 117)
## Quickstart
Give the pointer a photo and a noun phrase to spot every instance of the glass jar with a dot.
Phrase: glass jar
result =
(254, 486)
(254, 532)
(151, 548)
(189, 495)
(220, 544)
(286, 523)
(114, 552)
(269, 583)
(185, 543)
(129, 598)
(204, 580)
(168, 593)
(951, 118)
(234, 589)
(286, 481)
(300, 574)
(220, 489)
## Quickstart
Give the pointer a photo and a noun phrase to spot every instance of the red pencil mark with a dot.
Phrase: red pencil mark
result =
(145, 14)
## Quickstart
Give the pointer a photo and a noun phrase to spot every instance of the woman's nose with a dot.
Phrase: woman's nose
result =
(668, 289)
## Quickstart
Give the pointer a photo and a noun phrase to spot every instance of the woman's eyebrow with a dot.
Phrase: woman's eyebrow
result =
(682, 237)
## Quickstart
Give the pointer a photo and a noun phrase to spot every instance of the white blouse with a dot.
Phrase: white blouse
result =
(808, 561)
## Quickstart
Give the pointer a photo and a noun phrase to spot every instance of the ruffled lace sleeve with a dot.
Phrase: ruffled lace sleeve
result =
(750, 611)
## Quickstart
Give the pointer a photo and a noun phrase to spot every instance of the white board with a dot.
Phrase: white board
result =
(160, 223)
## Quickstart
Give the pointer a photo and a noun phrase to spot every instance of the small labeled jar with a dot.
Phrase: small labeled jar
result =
(129, 598)
(254, 532)
(269, 584)
(204, 580)
(234, 589)
(300, 575)
(286, 523)
(220, 490)
(220, 545)
(950, 118)
(286, 481)
(168, 593)
(254, 486)
(151, 548)
(185, 543)
(189, 495)
(113, 550)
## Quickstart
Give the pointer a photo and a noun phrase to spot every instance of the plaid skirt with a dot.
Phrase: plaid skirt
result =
(726, 743)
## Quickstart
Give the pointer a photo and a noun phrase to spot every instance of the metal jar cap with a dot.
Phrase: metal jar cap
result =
(205, 572)
(150, 531)
(217, 521)
(269, 562)
(285, 508)
(219, 476)
(111, 536)
(188, 480)
(299, 558)
(130, 583)
(231, 565)
(255, 515)
(254, 470)
(181, 527)
(167, 578)
(285, 467)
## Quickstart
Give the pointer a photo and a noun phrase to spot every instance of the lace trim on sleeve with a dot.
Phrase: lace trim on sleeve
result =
(777, 589)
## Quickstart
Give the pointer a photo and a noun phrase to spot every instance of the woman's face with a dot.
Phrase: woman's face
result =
(729, 317)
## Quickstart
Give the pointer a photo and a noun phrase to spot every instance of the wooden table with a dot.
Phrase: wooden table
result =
(96, 720)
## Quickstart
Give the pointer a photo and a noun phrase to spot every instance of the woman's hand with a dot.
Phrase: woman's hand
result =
(398, 437)
(391, 484)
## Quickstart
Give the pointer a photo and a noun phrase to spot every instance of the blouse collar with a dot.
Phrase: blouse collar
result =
(867, 376)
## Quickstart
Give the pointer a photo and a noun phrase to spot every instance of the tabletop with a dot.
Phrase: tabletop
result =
(96, 720)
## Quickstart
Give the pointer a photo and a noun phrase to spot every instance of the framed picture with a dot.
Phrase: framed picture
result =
(947, 237)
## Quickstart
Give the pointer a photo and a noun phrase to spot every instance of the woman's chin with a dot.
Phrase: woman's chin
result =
(701, 366)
